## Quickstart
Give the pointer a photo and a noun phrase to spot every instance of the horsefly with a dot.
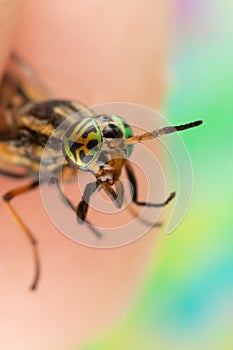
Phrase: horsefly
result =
(100, 144)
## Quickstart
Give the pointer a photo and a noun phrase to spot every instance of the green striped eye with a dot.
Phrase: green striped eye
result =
(125, 128)
(82, 143)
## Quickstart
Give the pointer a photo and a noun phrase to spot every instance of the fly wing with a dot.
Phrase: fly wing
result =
(7, 93)
(19, 86)
(27, 83)
(23, 96)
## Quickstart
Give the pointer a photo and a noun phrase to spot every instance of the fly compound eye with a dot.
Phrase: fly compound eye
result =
(112, 131)
(125, 129)
(82, 143)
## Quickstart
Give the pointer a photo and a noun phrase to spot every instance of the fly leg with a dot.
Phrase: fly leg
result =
(83, 206)
(7, 198)
(12, 175)
(63, 197)
(133, 181)
(117, 196)
(81, 210)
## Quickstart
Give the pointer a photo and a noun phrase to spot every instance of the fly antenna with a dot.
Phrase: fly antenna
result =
(160, 132)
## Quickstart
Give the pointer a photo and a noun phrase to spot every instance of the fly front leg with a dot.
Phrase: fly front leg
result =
(83, 206)
(63, 197)
(81, 210)
(117, 196)
(12, 175)
(133, 182)
(7, 198)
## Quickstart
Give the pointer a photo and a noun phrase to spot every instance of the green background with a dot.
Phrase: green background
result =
(187, 302)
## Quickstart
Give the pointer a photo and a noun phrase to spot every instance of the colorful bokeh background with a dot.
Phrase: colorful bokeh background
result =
(187, 300)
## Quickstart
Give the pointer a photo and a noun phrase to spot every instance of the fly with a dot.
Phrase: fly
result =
(100, 144)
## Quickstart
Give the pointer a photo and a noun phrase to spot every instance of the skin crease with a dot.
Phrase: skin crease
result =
(94, 52)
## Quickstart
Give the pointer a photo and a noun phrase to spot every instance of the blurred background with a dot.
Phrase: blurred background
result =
(187, 302)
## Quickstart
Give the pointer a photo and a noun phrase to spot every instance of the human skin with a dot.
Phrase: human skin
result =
(94, 52)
